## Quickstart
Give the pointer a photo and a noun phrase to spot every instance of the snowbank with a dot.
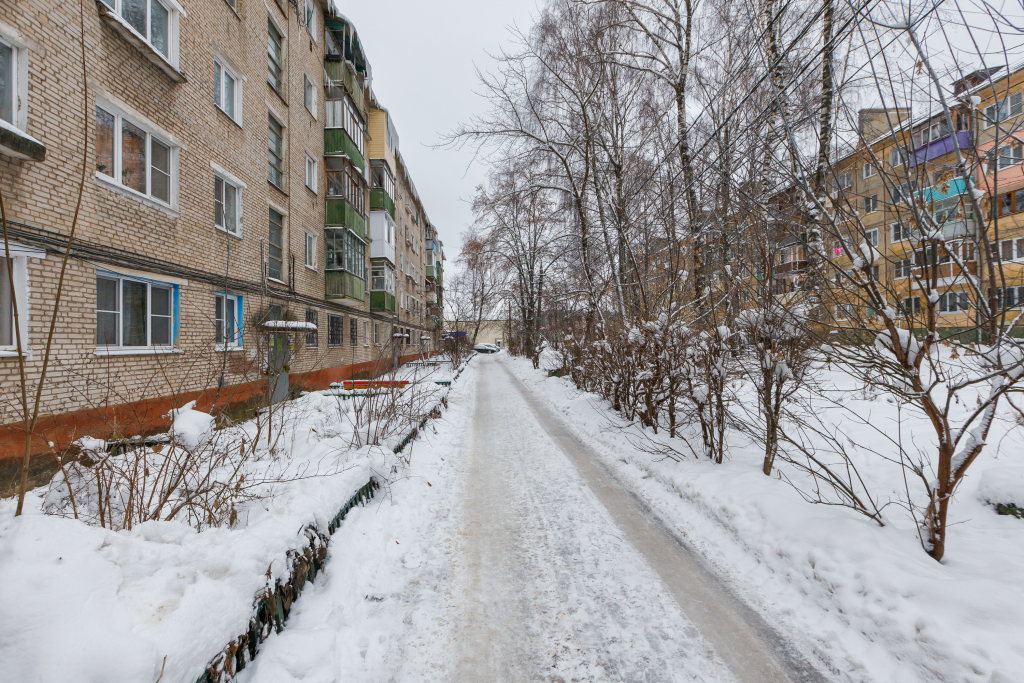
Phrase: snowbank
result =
(87, 604)
(865, 601)
(1002, 486)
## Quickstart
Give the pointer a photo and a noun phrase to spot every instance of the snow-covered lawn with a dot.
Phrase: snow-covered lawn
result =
(866, 600)
(88, 604)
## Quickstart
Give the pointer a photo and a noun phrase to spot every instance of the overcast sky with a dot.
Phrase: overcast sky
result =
(424, 56)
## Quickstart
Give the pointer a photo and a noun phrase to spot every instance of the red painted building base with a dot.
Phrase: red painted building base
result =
(54, 433)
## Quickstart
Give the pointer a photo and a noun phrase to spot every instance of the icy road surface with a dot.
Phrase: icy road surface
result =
(520, 560)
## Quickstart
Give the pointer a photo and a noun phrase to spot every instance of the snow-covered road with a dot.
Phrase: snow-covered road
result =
(521, 560)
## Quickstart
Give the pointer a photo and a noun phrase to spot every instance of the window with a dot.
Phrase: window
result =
(951, 302)
(310, 251)
(8, 298)
(275, 56)
(1009, 155)
(313, 337)
(309, 17)
(930, 133)
(1004, 109)
(376, 334)
(353, 331)
(311, 173)
(227, 205)
(152, 20)
(871, 204)
(869, 170)
(903, 193)
(132, 313)
(345, 251)
(309, 95)
(902, 268)
(8, 82)
(910, 306)
(133, 157)
(1008, 250)
(275, 251)
(334, 327)
(871, 237)
(843, 181)
(1010, 297)
(844, 311)
(227, 321)
(366, 337)
(898, 157)
(345, 180)
(227, 91)
(275, 152)
(900, 232)
(341, 113)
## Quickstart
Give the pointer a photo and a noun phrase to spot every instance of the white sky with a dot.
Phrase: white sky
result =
(424, 55)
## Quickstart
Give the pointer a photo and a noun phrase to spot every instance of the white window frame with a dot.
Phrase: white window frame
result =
(119, 348)
(874, 204)
(1014, 155)
(233, 337)
(225, 71)
(376, 334)
(309, 16)
(284, 152)
(284, 54)
(310, 251)
(151, 132)
(366, 333)
(227, 180)
(174, 12)
(902, 269)
(309, 95)
(897, 232)
(869, 170)
(1004, 109)
(311, 174)
(19, 71)
(20, 296)
(871, 237)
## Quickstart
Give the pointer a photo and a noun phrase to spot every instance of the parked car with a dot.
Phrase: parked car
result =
(486, 348)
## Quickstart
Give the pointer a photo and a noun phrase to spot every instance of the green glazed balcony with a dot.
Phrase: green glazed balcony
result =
(382, 301)
(339, 71)
(430, 271)
(337, 141)
(380, 201)
(340, 284)
(340, 213)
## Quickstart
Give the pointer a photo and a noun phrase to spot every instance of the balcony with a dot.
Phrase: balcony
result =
(941, 147)
(380, 201)
(340, 284)
(382, 301)
(431, 297)
(337, 141)
(339, 72)
(338, 212)
(430, 271)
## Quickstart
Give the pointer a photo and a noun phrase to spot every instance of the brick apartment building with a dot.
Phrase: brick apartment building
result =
(902, 158)
(224, 235)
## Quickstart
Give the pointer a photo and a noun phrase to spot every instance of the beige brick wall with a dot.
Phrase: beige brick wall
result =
(183, 241)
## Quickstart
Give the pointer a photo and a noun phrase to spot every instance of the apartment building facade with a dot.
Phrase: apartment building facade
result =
(904, 177)
(224, 234)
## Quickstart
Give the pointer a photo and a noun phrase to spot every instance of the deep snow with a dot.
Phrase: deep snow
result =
(865, 601)
(92, 605)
